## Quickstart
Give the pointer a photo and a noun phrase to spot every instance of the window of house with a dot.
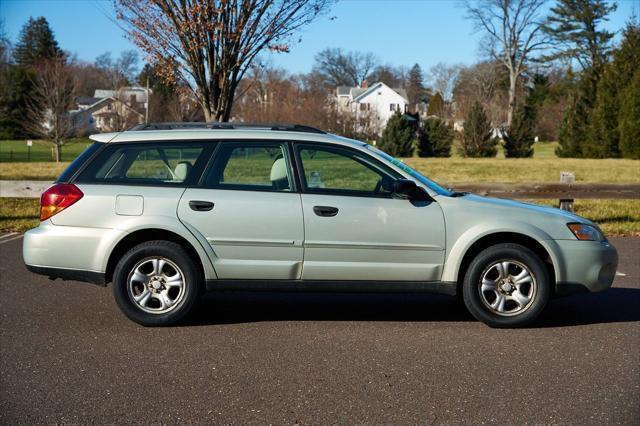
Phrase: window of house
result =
(393, 107)
(250, 166)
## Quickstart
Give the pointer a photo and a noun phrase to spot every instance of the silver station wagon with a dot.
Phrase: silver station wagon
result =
(166, 212)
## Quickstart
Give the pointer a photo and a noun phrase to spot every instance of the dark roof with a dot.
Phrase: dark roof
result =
(86, 100)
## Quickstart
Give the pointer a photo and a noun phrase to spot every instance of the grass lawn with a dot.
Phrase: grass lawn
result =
(17, 150)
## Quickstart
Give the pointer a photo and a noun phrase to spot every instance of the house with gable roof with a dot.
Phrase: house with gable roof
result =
(373, 104)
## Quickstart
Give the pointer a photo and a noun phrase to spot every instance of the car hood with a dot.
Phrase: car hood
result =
(469, 211)
(525, 208)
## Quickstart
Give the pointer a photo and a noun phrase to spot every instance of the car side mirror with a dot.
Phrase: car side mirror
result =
(406, 189)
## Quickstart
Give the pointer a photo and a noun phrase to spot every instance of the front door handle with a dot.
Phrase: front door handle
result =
(201, 206)
(325, 211)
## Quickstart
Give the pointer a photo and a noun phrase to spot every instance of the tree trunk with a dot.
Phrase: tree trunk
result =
(512, 98)
(57, 151)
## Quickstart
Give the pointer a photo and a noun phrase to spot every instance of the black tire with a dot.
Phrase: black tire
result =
(165, 250)
(524, 313)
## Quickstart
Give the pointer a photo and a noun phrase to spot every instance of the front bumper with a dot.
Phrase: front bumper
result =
(585, 266)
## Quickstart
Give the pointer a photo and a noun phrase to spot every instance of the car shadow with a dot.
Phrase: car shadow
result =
(613, 305)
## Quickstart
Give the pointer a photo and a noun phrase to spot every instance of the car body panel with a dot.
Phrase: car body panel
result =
(253, 234)
(385, 238)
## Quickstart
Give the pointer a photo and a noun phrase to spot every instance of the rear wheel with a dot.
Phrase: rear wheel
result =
(156, 283)
(506, 285)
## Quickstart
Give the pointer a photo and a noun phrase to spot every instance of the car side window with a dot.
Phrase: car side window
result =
(250, 166)
(144, 164)
(334, 170)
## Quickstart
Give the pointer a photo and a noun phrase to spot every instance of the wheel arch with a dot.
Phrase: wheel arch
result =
(466, 249)
(149, 234)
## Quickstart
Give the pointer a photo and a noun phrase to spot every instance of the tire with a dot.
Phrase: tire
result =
(146, 283)
(506, 300)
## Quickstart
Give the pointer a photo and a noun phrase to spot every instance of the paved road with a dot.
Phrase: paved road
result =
(68, 355)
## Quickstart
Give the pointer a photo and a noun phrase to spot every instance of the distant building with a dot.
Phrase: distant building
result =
(371, 105)
(109, 110)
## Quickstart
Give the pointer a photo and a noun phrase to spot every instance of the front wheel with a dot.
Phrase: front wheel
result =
(506, 285)
(156, 283)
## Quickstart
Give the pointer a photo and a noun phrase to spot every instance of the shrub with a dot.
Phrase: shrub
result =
(397, 137)
(435, 138)
(520, 136)
(477, 137)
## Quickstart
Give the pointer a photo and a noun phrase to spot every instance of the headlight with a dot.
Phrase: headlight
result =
(585, 232)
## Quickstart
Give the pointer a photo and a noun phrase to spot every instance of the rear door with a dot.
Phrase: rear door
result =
(247, 208)
(355, 230)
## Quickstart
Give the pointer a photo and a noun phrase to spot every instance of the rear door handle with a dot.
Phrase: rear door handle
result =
(201, 206)
(325, 211)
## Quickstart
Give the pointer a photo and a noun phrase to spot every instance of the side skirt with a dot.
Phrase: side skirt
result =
(440, 287)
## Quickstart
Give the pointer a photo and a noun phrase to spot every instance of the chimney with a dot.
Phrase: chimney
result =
(363, 85)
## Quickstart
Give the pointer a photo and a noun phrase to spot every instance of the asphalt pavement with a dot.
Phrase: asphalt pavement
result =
(67, 355)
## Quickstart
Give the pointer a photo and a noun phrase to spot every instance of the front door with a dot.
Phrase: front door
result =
(355, 230)
(249, 212)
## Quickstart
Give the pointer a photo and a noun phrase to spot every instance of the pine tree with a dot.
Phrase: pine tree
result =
(630, 120)
(573, 25)
(436, 106)
(398, 137)
(603, 139)
(435, 138)
(477, 138)
(519, 138)
(415, 85)
(36, 43)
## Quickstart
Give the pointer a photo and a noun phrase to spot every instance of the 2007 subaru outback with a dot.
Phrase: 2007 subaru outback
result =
(166, 212)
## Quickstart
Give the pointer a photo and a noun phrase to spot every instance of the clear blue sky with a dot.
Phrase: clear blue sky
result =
(399, 32)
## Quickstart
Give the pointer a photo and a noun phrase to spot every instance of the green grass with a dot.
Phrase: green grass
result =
(19, 214)
(17, 150)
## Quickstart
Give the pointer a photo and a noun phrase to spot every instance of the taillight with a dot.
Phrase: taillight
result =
(57, 198)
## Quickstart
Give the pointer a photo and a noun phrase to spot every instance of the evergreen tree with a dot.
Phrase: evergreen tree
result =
(630, 120)
(397, 137)
(436, 106)
(36, 43)
(16, 86)
(573, 130)
(618, 79)
(477, 138)
(415, 85)
(435, 138)
(573, 25)
(520, 136)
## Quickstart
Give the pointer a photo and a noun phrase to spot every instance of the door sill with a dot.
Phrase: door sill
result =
(440, 287)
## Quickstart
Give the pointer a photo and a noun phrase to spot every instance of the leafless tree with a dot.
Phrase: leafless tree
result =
(51, 99)
(339, 68)
(514, 33)
(442, 78)
(210, 44)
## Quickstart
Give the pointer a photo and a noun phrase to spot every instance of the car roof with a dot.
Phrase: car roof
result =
(240, 134)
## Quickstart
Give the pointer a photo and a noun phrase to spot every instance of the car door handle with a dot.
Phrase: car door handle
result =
(325, 211)
(201, 206)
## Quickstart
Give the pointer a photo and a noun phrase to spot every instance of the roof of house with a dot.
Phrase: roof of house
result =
(359, 92)
(86, 100)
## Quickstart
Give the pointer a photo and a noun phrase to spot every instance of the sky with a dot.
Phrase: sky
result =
(398, 32)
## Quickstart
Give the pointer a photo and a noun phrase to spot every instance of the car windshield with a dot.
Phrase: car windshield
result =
(396, 162)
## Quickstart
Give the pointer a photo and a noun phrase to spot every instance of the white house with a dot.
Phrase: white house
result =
(373, 104)
(109, 110)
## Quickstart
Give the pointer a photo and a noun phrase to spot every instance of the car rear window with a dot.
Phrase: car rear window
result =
(145, 164)
(78, 162)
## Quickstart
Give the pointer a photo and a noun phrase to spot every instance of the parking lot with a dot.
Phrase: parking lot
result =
(67, 355)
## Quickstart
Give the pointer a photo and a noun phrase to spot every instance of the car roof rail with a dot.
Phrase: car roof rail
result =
(225, 126)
